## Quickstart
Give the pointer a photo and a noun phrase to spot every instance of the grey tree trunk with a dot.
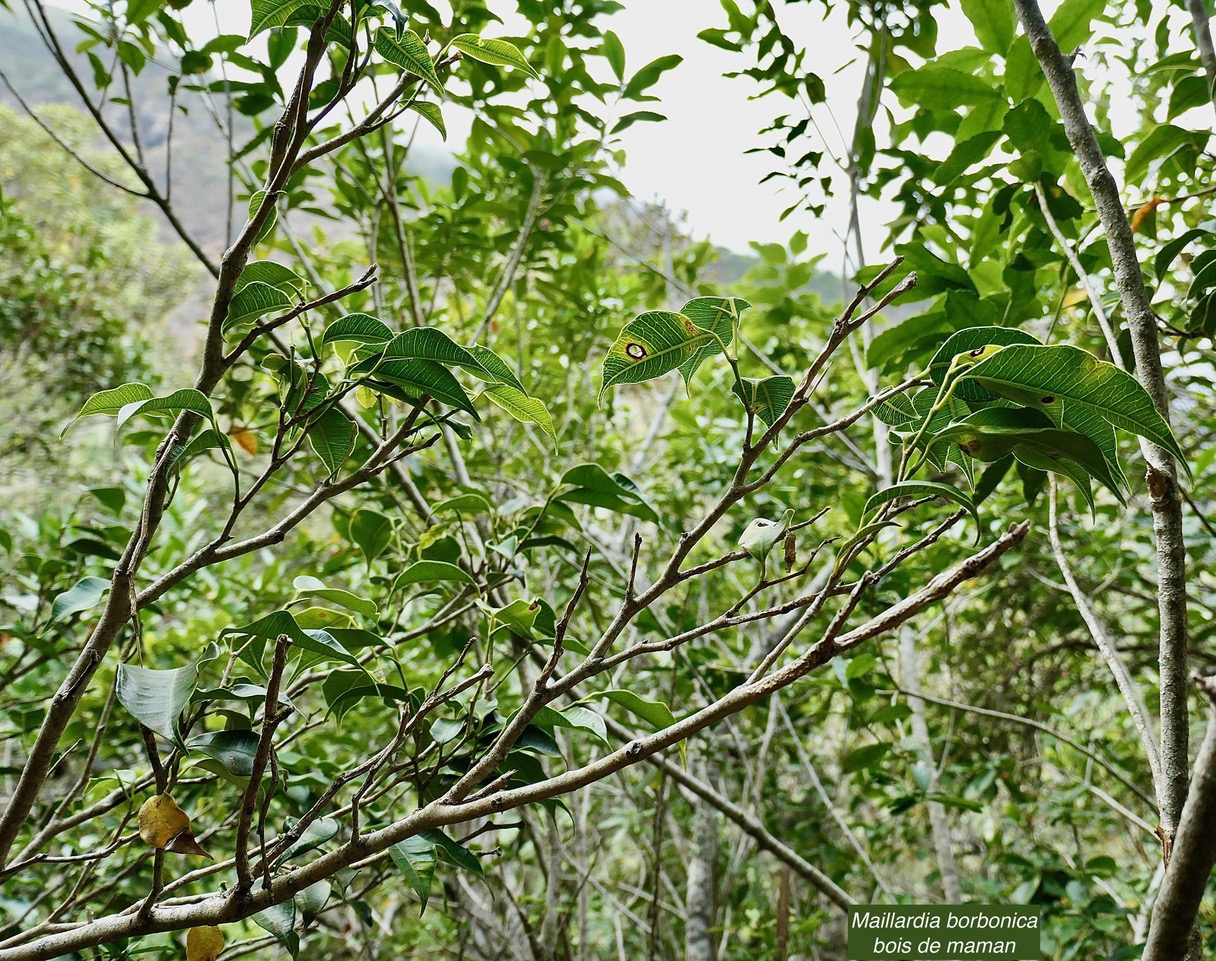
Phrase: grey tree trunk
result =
(699, 899)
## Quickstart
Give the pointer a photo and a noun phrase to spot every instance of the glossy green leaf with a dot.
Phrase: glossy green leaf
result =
(422, 377)
(523, 408)
(591, 484)
(654, 343)
(332, 438)
(767, 398)
(415, 858)
(157, 697)
(84, 595)
(971, 340)
(911, 490)
(431, 113)
(488, 50)
(357, 329)
(720, 315)
(307, 584)
(230, 754)
(1075, 381)
(655, 713)
(253, 301)
(407, 52)
(430, 343)
(111, 401)
(425, 572)
(268, 628)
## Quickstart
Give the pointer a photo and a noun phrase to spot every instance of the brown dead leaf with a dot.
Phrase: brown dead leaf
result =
(163, 825)
(204, 943)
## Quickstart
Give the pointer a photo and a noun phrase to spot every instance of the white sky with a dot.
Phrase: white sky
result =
(696, 160)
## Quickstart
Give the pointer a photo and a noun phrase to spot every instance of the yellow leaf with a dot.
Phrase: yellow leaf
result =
(204, 944)
(163, 825)
(1144, 210)
(244, 439)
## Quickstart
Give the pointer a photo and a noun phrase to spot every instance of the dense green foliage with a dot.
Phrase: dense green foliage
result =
(388, 599)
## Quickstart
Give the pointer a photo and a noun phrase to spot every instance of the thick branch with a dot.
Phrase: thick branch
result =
(1177, 905)
(1161, 472)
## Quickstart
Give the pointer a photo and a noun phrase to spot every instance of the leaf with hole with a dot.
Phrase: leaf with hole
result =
(1075, 390)
(655, 343)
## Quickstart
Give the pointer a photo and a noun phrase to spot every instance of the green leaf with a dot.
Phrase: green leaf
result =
(498, 368)
(407, 52)
(863, 758)
(894, 342)
(574, 718)
(321, 643)
(280, 920)
(306, 584)
(940, 88)
(313, 836)
(718, 315)
(371, 531)
(458, 854)
(84, 595)
(648, 76)
(430, 343)
(229, 754)
(332, 438)
(357, 329)
(1083, 390)
(1163, 142)
(654, 343)
(416, 378)
(111, 401)
(614, 53)
(186, 399)
(415, 858)
(916, 489)
(255, 204)
(271, 273)
(973, 339)
(1071, 24)
(993, 21)
(993, 433)
(424, 572)
(252, 301)
(488, 50)
(431, 113)
(615, 492)
(272, 13)
(523, 408)
(655, 713)
(157, 698)
(766, 398)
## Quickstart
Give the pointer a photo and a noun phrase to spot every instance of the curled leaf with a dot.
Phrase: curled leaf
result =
(165, 826)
